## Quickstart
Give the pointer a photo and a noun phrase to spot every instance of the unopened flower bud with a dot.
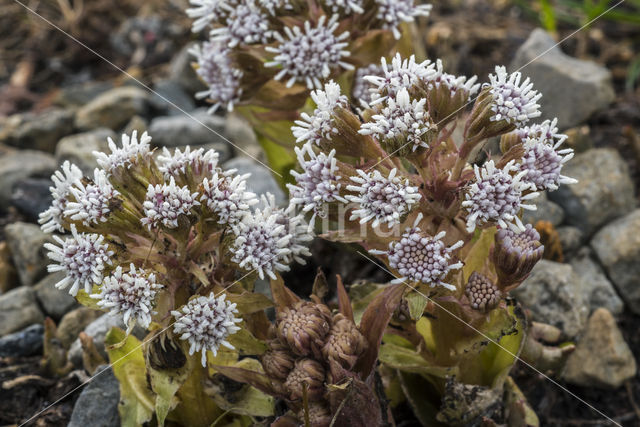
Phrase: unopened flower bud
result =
(515, 254)
(304, 327)
(345, 343)
(278, 361)
(482, 293)
(319, 414)
(306, 373)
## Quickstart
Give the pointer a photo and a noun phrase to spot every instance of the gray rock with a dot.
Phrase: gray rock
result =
(618, 248)
(37, 132)
(571, 239)
(80, 94)
(201, 128)
(29, 256)
(16, 165)
(604, 190)
(31, 196)
(547, 211)
(55, 302)
(554, 295)
(137, 123)
(572, 89)
(602, 358)
(19, 309)
(597, 289)
(97, 405)
(27, 342)
(181, 71)
(113, 109)
(79, 148)
(74, 322)
(261, 180)
(244, 139)
(171, 97)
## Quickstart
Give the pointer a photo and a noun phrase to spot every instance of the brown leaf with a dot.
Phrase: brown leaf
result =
(255, 378)
(320, 285)
(282, 296)
(343, 300)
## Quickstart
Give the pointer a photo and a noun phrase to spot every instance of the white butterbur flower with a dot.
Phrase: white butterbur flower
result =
(497, 196)
(227, 197)
(402, 74)
(318, 183)
(308, 56)
(272, 6)
(345, 6)
(207, 11)
(546, 131)
(513, 102)
(164, 203)
(261, 244)
(543, 164)
(82, 257)
(395, 12)
(217, 71)
(245, 24)
(320, 126)
(196, 162)
(206, 322)
(131, 293)
(402, 120)
(422, 258)
(363, 90)
(93, 200)
(452, 82)
(383, 200)
(51, 220)
(130, 153)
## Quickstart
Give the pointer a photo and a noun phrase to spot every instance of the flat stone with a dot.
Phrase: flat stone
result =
(572, 89)
(55, 302)
(547, 211)
(617, 246)
(554, 295)
(29, 255)
(113, 109)
(75, 322)
(16, 165)
(261, 180)
(32, 196)
(19, 309)
(199, 129)
(597, 289)
(97, 405)
(37, 131)
(602, 358)
(81, 94)
(571, 239)
(181, 71)
(171, 98)
(604, 190)
(27, 342)
(79, 148)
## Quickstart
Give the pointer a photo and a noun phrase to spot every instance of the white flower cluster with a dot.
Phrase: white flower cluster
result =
(395, 12)
(452, 82)
(225, 194)
(51, 220)
(345, 6)
(402, 74)
(272, 6)
(204, 12)
(246, 24)
(164, 203)
(513, 102)
(130, 153)
(197, 162)
(320, 126)
(91, 201)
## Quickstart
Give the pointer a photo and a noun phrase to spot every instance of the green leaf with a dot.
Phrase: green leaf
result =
(195, 409)
(249, 302)
(83, 298)
(421, 397)
(246, 343)
(417, 304)
(246, 401)
(408, 360)
(137, 402)
(479, 253)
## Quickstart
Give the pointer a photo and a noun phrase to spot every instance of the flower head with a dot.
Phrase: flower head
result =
(207, 11)
(131, 152)
(82, 257)
(393, 12)
(452, 82)
(543, 164)
(497, 196)
(164, 203)
(383, 200)
(320, 126)
(226, 196)
(309, 374)
(515, 253)
(363, 90)
(482, 293)
(304, 327)
(546, 131)
(403, 74)
(246, 24)
(196, 162)
(272, 6)
(309, 55)
(51, 220)
(278, 361)
(92, 200)
(131, 293)
(513, 102)
(206, 322)
(344, 343)
(346, 7)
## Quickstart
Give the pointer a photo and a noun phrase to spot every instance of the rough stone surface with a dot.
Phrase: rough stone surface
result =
(604, 190)
(27, 342)
(137, 123)
(244, 139)
(171, 97)
(31, 196)
(79, 148)
(617, 246)
(19, 309)
(547, 211)
(597, 289)
(97, 330)
(602, 358)
(554, 295)
(74, 322)
(181, 71)
(80, 94)
(16, 165)
(37, 132)
(571, 239)
(55, 302)
(97, 405)
(572, 89)
(26, 245)
(261, 180)
(113, 109)
(200, 129)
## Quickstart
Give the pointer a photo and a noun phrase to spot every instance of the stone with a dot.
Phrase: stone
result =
(8, 274)
(113, 109)
(81, 94)
(597, 289)
(97, 330)
(19, 309)
(198, 129)
(97, 405)
(547, 211)
(29, 255)
(75, 322)
(146, 40)
(602, 358)
(578, 138)
(617, 246)
(137, 123)
(79, 148)
(240, 132)
(54, 302)
(181, 71)
(571, 239)
(572, 89)
(171, 97)
(37, 131)
(24, 343)
(604, 190)
(261, 180)
(31, 196)
(17, 165)
(554, 295)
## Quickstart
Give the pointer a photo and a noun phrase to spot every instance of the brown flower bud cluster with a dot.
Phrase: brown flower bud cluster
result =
(482, 293)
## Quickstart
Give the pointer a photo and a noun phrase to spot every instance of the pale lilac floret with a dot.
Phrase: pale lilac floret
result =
(363, 90)
(130, 153)
(320, 126)
(394, 12)
(381, 199)
(196, 162)
(402, 74)
(205, 322)
(272, 6)
(206, 12)
(226, 195)
(452, 82)
(52, 219)
(346, 7)
(82, 257)
(246, 23)
(543, 164)
(513, 102)
(164, 203)
(92, 200)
